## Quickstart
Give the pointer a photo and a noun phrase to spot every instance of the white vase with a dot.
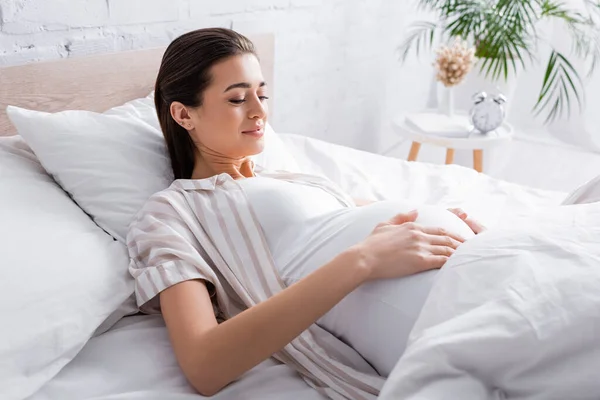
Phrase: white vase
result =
(446, 105)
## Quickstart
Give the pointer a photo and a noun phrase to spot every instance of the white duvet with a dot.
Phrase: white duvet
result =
(514, 314)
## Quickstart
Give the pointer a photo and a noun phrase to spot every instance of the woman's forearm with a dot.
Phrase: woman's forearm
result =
(238, 344)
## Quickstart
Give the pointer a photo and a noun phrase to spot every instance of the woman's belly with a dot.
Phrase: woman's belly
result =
(319, 240)
(376, 318)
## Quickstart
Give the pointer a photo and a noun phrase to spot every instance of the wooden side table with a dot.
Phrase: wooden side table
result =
(477, 142)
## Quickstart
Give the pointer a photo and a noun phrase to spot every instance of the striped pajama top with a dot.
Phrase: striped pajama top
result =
(206, 229)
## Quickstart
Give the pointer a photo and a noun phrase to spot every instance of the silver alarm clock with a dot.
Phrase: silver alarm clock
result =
(488, 113)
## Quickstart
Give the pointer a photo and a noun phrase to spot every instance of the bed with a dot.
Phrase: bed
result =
(130, 357)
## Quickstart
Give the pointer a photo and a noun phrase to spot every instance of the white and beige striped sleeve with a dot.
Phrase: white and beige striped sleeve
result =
(163, 250)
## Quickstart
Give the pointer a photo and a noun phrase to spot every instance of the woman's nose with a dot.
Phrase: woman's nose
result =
(258, 110)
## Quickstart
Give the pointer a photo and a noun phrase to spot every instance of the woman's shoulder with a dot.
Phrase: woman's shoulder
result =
(162, 204)
(168, 195)
(165, 212)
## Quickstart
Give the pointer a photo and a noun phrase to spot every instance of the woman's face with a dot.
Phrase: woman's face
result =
(231, 121)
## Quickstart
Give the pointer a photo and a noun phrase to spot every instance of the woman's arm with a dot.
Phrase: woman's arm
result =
(213, 355)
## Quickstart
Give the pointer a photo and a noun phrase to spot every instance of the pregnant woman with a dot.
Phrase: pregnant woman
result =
(247, 264)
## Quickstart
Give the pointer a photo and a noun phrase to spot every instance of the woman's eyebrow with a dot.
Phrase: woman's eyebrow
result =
(243, 85)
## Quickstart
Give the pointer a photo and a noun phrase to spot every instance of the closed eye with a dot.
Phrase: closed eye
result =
(240, 101)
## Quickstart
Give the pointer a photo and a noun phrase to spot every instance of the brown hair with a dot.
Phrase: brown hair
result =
(183, 76)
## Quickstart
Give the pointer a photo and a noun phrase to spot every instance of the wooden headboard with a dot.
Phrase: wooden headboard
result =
(95, 83)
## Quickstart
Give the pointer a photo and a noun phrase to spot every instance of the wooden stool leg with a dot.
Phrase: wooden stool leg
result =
(449, 156)
(414, 151)
(478, 160)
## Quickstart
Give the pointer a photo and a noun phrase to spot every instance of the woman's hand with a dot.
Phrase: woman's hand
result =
(475, 226)
(400, 247)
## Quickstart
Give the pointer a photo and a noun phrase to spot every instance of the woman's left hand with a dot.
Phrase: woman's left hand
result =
(475, 226)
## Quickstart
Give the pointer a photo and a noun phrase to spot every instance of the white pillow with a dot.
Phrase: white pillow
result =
(111, 163)
(61, 277)
(587, 193)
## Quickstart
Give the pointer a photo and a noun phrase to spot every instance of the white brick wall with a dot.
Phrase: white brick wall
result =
(128, 12)
(34, 16)
(337, 75)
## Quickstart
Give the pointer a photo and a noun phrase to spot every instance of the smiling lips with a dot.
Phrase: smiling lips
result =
(257, 132)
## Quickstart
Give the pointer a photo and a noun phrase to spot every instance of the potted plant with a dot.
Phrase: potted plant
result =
(506, 36)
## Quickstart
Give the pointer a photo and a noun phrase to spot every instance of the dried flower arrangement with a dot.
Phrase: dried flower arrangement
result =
(454, 62)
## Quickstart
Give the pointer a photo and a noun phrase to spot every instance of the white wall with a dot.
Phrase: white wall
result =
(336, 70)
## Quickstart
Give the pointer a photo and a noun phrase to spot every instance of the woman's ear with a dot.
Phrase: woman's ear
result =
(181, 115)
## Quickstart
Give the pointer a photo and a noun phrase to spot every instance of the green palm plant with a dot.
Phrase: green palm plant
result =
(505, 33)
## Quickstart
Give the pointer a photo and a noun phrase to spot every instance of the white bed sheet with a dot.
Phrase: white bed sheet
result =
(372, 176)
(134, 359)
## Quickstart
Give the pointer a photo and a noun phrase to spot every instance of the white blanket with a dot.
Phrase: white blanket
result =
(371, 176)
(135, 361)
(514, 314)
